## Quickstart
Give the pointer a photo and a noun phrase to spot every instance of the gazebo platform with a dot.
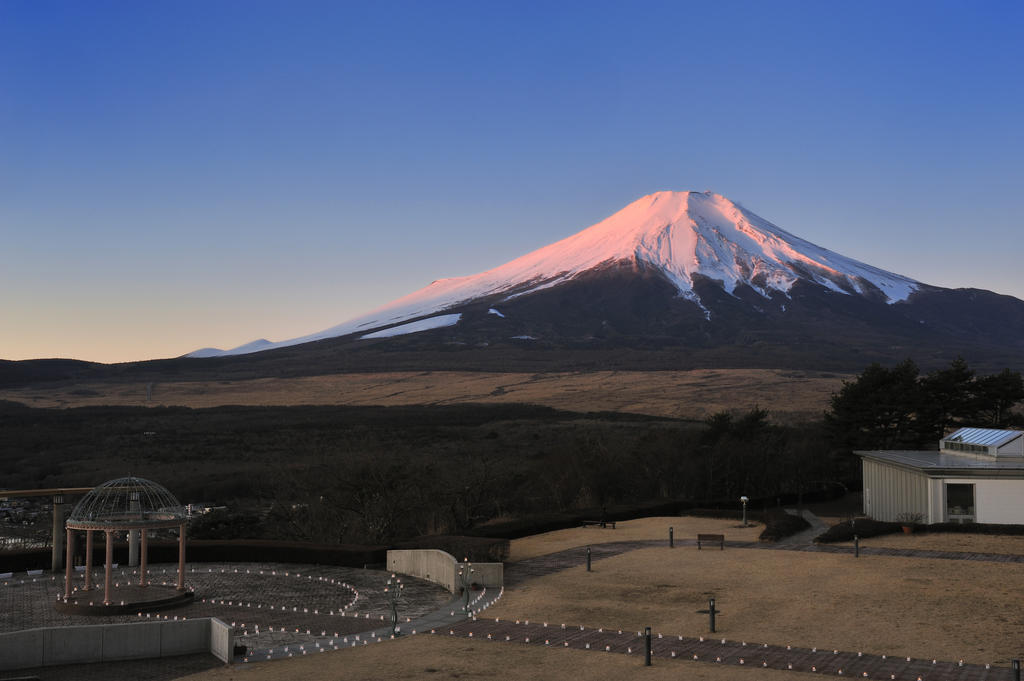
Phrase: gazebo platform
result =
(124, 600)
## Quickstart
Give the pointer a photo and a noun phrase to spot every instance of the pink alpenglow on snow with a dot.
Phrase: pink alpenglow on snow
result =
(682, 234)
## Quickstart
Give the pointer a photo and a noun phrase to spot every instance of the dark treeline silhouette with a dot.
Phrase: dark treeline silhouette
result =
(899, 408)
(374, 475)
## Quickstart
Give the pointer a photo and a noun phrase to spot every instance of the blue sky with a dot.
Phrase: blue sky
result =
(182, 174)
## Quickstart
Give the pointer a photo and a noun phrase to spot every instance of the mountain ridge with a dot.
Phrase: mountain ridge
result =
(681, 234)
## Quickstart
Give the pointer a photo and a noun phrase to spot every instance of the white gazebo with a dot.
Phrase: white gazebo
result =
(133, 505)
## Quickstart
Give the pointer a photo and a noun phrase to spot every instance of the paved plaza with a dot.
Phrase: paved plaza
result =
(271, 606)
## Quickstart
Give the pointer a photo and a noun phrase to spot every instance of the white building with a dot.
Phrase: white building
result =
(976, 476)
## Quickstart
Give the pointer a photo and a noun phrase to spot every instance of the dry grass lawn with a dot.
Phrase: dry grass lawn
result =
(965, 543)
(883, 605)
(436, 658)
(686, 527)
(680, 394)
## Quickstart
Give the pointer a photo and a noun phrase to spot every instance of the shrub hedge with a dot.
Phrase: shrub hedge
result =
(973, 528)
(862, 527)
(779, 524)
(213, 551)
(867, 527)
(477, 549)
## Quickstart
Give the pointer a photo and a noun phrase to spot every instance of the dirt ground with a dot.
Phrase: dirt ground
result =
(437, 658)
(630, 530)
(679, 394)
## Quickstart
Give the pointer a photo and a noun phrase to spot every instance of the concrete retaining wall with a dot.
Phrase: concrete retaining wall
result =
(440, 567)
(107, 642)
(222, 640)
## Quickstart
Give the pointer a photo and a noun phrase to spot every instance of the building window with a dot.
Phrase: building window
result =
(959, 503)
(954, 446)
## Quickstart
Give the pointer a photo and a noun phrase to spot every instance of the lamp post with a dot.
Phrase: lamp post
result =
(743, 500)
(465, 579)
(710, 612)
(393, 592)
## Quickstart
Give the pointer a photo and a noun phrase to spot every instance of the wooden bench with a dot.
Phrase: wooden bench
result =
(711, 538)
(599, 523)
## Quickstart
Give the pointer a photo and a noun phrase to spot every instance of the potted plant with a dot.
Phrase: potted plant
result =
(909, 521)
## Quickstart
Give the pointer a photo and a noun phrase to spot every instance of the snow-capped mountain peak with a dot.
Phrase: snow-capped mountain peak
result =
(680, 234)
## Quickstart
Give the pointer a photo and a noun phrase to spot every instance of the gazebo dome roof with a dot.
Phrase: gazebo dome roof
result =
(127, 503)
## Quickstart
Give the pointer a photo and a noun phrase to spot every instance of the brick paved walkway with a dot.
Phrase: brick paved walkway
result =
(676, 649)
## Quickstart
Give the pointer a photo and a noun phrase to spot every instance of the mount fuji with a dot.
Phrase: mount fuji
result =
(690, 240)
(673, 280)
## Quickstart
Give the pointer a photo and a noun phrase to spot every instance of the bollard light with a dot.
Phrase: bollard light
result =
(743, 500)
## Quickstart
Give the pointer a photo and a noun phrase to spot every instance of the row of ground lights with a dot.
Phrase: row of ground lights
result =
(260, 606)
(723, 641)
(341, 642)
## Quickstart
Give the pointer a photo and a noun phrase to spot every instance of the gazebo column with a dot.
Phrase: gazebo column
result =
(143, 558)
(181, 557)
(88, 560)
(58, 523)
(69, 568)
(135, 509)
(109, 562)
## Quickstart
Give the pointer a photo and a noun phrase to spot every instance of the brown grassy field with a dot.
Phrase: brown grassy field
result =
(890, 605)
(882, 605)
(896, 606)
(678, 394)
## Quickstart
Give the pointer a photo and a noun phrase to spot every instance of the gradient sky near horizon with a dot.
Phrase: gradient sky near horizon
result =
(175, 175)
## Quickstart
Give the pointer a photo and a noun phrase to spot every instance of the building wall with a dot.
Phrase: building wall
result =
(995, 501)
(890, 492)
(1014, 447)
(936, 501)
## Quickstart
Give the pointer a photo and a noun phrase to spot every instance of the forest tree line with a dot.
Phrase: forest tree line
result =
(378, 474)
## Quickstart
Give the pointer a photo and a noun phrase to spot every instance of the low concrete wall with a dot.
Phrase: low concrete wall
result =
(130, 641)
(190, 636)
(222, 640)
(106, 642)
(22, 649)
(440, 567)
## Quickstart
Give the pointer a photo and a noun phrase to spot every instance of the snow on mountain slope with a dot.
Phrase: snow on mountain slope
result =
(427, 324)
(682, 234)
(252, 346)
